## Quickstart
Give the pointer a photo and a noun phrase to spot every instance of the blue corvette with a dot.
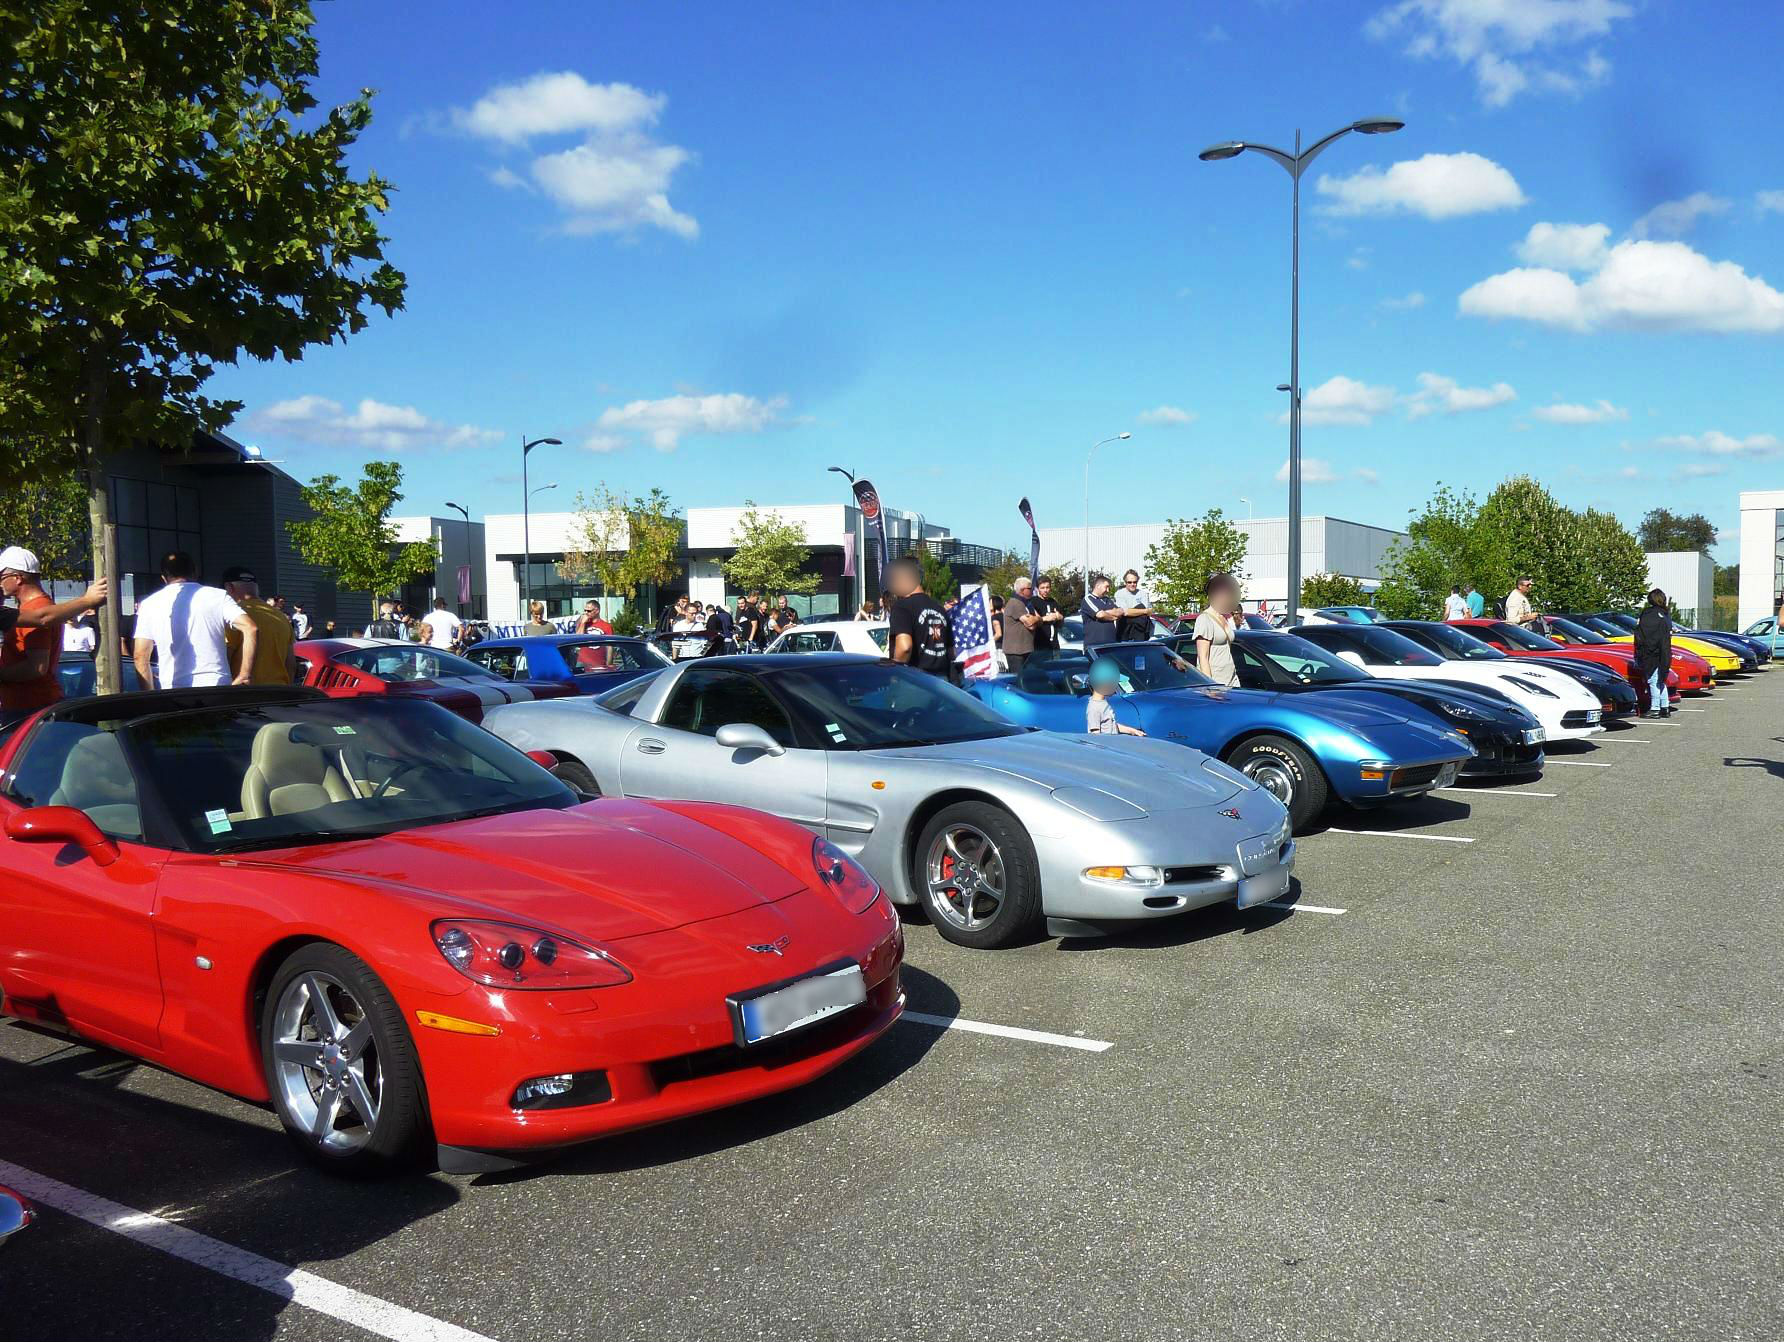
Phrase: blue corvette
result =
(593, 663)
(1349, 747)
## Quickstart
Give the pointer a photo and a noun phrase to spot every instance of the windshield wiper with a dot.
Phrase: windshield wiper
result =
(302, 837)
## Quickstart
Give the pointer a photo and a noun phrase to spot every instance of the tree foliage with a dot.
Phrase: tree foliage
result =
(1332, 589)
(624, 542)
(350, 533)
(1188, 554)
(48, 516)
(1663, 529)
(938, 577)
(1067, 580)
(771, 555)
(1001, 576)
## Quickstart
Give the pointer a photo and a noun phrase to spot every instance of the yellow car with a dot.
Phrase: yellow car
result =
(1721, 660)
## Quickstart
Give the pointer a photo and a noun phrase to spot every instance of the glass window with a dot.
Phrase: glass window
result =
(79, 765)
(508, 663)
(626, 697)
(410, 662)
(863, 705)
(709, 698)
(1299, 659)
(880, 633)
(129, 505)
(1155, 668)
(188, 508)
(582, 658)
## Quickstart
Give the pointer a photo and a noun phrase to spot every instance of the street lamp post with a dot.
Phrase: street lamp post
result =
(526, 522)
(464, 607)
(860, 542)
(1295, 165)
(1247, 503)
(1113, 438)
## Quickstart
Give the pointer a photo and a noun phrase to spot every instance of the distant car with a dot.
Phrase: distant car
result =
(1616, 696)
(867, 637)
(1356, 749)
(1767, 631)
(345, 667)
(990, 827)
(592, 663)
(1721, 660)
(1691, 672)
(1517, 641)
(1342, 615)
(1753, 653)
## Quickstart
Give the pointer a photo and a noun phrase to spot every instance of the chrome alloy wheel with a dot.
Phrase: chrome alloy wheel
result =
(327, 1063)
(966, 876)
(1273, 776)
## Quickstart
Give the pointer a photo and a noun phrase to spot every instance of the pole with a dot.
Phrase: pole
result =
(526, 537)
(1087, 456)
(466, 608)
(1294, 396)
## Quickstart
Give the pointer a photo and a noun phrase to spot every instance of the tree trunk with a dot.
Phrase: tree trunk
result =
(106, 659)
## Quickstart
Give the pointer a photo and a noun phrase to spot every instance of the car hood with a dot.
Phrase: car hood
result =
(606, 869)
(1351, 708)
(1153, 775)
(1483, 699)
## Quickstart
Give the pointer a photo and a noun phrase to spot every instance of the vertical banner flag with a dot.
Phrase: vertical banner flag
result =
(973, 647)
(867, 499)
(464, 584)
(1034, 543)
(848, 554)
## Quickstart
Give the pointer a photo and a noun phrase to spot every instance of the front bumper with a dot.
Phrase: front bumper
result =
(1500, 755)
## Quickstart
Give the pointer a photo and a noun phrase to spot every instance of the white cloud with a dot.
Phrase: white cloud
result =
(1344, 400)
(1696, 470)
(617, 180)
(373, 425)
(1637, 285)
(1512, 46)
(1770, 202)
(1561, 413)
(1715, 443)
(1437, 186)
(1565, 246)
(665, 421)
(1444, 394)
(1169, 416)
(1314, 471)
(603, 442)
(1367, 476)
(1412, 300)
(1676, 218)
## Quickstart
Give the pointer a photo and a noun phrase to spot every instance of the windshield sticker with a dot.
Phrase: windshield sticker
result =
(345, 731)
(838, 736)
(831, 727)
(219, 821)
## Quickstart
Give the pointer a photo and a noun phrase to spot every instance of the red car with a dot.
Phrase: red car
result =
(1689, 671)
(343, 667)
(408, 937)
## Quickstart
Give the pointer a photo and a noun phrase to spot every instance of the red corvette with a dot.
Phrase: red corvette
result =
(398, 930)
(344, 667)
(1689, 671)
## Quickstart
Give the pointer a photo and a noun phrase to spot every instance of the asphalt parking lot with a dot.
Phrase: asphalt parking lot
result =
(1511, 1069)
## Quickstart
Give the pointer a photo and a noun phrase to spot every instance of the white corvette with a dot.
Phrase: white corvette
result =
(867, 637)
(1565, 708)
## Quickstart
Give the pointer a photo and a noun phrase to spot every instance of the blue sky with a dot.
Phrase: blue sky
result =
(717, 248)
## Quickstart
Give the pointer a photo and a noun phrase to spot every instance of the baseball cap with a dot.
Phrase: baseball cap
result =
(19, 559)
(236, 573)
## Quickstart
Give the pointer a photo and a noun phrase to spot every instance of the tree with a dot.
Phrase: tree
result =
(938, 577)
(1068, 586)
(1663, 529)
(1331, 589)
(623, 543)
(1001, 576)
(1728, 580)
(350, 533)
(1616, 568)
(771, 555)
(48, 516)
(170, 202)
(1188, 554)
(1443, 548)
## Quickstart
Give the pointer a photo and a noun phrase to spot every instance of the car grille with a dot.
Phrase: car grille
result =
(1577, 718)
(1417, 774)
(1192, 875)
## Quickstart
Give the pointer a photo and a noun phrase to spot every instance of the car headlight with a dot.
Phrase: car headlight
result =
(843, 877)
(1126, 875)
(1530, 686)
(1461, 712)
(511, 955)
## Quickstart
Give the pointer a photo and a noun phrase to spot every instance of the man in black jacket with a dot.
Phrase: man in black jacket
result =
(1653, 652)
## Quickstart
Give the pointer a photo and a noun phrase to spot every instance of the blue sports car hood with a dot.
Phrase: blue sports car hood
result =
(1352, 709)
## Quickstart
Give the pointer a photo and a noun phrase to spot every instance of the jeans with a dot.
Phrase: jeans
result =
(1657, 700)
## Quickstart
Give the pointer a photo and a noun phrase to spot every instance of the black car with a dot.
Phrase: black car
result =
(1616, 697)
(1506, 739)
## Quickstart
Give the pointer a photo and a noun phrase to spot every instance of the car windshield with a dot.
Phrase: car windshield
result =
(626, 697)
(1572, 630)
(1626, 623)
(1519, 637)
(1303, 661)
(412, 661)
(1152, 667)
(608, 654)
(879, 633)
(1599, 625)
(1374, 645)
(1451, 643)
(283, 775)
(1761, 629)
(864, 705)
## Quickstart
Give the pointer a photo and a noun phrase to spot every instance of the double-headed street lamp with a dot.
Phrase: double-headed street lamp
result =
(1123, 436)
(526, 522)
(1295, 165)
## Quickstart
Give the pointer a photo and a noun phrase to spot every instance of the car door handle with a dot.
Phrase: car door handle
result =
(651, 746)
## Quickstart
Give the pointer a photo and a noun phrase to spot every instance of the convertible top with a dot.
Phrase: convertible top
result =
(93, 709)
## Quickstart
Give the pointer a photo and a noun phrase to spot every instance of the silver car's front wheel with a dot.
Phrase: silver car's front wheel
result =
(977, 873)
(966, 878)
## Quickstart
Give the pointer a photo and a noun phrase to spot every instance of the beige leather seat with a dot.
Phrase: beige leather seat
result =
(95, 779)
(286, 776)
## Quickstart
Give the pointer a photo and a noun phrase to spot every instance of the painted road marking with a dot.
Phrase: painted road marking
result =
(376, 1316)
(1685, 710)
(1007, 1032)
(1300, 908)
(1625, 741)
(1494, 792)
(1578, 764)
(1402, 834)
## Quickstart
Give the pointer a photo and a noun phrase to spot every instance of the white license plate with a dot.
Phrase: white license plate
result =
(1446, 776)
(1534, 736)
(801, 1004)
(1267, 886)
(1592, 715)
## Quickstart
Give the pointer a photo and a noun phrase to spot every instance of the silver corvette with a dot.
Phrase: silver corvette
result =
(990, 826)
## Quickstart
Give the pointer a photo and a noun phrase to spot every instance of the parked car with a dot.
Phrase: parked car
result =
(589, 663)
(1616, 696)
(1692, 672)
(1354, 749)
(1754, 653)
(15, 1214)
(1341, 615)
(1506, 738)
(1585, 647)
(348, 667)
(866, 637)
(1563, 707)
(992, 828)
(1767, 632)
(409, 938)
(1721, 660)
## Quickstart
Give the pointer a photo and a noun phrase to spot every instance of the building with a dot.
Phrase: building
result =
(1762, 554)
(1688, 577)
(833, 533)
(1328, 545)
(461, 579)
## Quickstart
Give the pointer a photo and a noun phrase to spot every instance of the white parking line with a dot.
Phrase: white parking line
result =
(288, 1283)
(1008, 1032)
(1300, 908)
(1686, 710)
(1577, 764)
(1494, 792)
(1402, 834)
(1625, 741)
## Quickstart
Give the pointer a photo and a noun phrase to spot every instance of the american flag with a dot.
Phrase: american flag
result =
(973, 647)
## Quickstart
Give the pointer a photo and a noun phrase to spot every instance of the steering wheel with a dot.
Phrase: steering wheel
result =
(403, 772)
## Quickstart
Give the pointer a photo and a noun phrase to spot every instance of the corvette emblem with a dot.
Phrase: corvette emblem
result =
(1231, 814)
(776, 947)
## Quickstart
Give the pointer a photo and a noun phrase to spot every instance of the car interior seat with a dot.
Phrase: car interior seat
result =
(285, 776)
(95, 779)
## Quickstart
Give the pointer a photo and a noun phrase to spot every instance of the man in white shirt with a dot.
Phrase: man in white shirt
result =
(79, 637)
(300, 621)
(182, 624)
(1455, 605)
(1517, 604)
(444, 624)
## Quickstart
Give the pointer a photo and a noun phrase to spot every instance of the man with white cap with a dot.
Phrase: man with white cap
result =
(30, 637)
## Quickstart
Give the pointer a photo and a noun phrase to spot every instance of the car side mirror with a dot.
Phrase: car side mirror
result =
(61, 824)
(1354, 658)
(748, 736)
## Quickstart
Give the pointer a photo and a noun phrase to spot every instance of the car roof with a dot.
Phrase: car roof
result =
(555, 639)
(140, 704)
(806, 626)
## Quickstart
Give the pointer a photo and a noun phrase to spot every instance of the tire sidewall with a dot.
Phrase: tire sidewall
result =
(578, 777)
(1020, 913)
(1305, 802)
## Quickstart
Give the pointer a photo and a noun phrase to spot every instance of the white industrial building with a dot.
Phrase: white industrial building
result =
(1328, 545)
(1688, 577)
(1762, 554)
(460, 544)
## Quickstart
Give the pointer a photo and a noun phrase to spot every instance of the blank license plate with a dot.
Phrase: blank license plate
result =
(802, 1003)
(1257, 889)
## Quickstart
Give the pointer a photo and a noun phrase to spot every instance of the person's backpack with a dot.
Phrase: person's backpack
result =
(1499, 608)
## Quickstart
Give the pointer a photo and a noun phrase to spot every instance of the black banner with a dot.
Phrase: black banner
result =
(867, 499)
(1034, 544)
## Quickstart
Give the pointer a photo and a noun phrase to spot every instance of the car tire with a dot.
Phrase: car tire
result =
(575, 775)
(1287, 772)
(984, 846)
(345, 1081)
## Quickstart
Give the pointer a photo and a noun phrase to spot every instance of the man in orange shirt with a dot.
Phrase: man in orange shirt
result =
(28, 655)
